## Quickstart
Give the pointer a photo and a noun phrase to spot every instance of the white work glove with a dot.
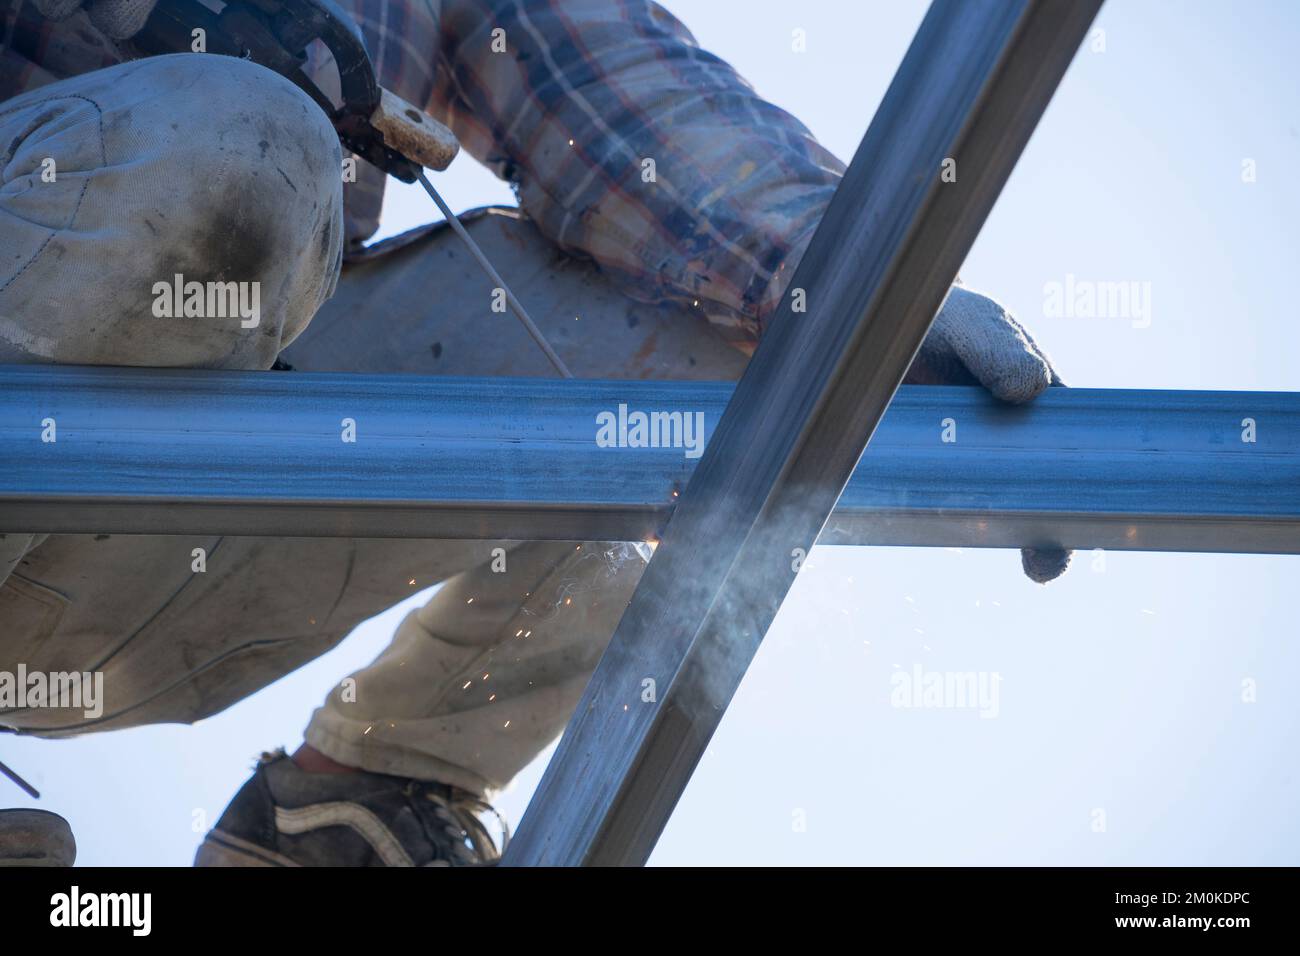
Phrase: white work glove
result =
(119, 19)
(975, 341)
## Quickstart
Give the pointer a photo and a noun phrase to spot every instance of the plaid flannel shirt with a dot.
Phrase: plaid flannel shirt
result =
(625, 142)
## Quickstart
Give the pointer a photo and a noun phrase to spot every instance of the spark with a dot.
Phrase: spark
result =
(507, 724)
(519, 632)
(412, 581)
(466, 686)
(492, 698)
(470, 601)
(367, 730)
(485, 676)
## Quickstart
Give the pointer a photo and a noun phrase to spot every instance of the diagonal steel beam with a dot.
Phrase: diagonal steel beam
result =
(971, 87)
(975, 81)
(207, 452)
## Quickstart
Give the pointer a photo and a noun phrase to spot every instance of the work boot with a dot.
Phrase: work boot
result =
(286, 816)
(35, 838)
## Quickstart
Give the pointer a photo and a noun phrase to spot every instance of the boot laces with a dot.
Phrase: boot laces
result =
(459, 813)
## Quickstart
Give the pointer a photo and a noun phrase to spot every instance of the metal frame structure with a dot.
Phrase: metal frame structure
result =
(970, 89)
(177, 451)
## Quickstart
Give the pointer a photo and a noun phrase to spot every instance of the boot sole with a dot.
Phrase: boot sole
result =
(35, 838)
(225, 849)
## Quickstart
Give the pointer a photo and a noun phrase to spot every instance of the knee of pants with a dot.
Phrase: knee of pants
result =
(181, 210)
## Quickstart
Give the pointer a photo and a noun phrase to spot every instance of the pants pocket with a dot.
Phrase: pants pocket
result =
(29, 614)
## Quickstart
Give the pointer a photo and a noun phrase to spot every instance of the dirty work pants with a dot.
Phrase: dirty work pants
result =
(220, 171)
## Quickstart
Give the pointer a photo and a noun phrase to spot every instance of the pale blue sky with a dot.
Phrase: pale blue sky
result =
(1121, 685)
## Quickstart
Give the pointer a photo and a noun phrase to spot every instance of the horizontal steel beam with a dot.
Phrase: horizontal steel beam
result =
(154, 451)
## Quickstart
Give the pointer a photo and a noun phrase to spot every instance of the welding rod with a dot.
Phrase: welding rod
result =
(20, 781)
(495, 276)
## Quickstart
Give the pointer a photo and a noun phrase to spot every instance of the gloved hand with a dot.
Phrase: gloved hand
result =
(119, 19)
(975, 341)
